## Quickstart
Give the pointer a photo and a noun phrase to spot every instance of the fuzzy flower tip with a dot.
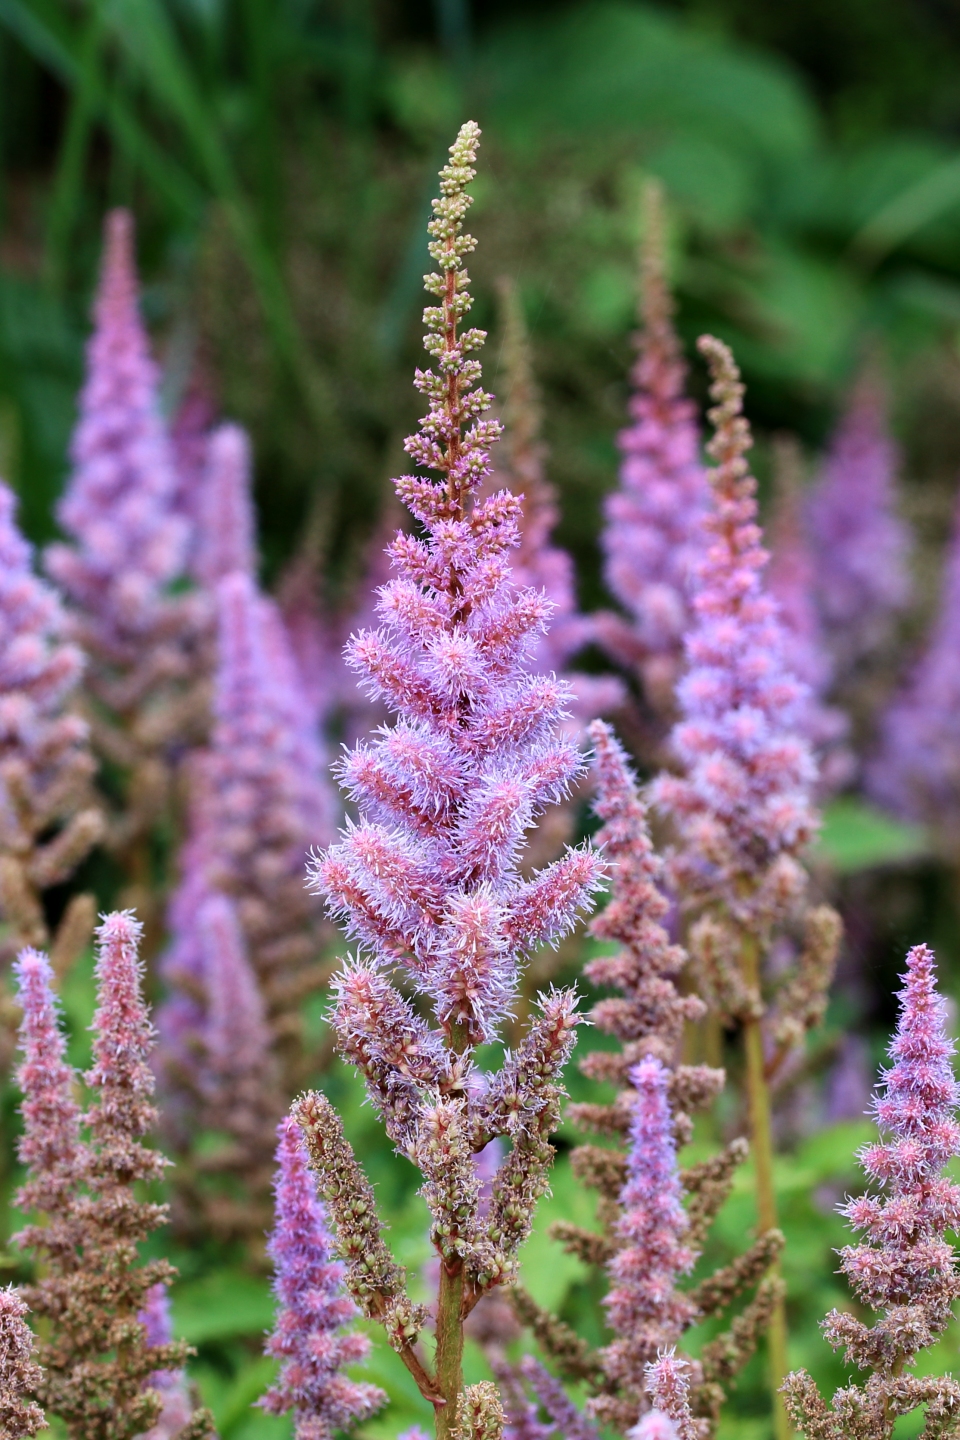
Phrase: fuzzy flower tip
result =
(917, 772)
(861, 543)
(129, 543)
(652, 537)
(653, 1426)
(667, 1386)
(46, 822)
(904, 1268)
(123, 1035)
(644, 1307)
(429, 873)
(743, 801)
(19, 1374)
(310, 1337)
(225, 520)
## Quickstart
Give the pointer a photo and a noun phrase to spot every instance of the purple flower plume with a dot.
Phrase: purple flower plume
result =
(742, 803)
(225, 523)
(127, 541)
(904, 1266)
(46, 821)
(311, 1337)
(917, 771)
(429, 874)
(652, 536)
(644, 1307)
(171, 1384)
(862, 546)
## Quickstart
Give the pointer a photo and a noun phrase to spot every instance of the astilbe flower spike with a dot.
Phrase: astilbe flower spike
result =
(742, 805)
(48, 821)
(917, 771)
(225, 527)
(171, 1385)
(97, 1359)
(861, 543)
(20, 1375)
(428, 875)
(259, 798)
(652, 533)
(793, 582)
(904, 1268)
(311, 1335)
(127, 547)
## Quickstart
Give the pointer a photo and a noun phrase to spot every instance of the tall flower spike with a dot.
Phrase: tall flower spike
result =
(259, 795)
(793, 584)
(862, 544)
(127, 546)
(225, 526)
(47, 820)
(19, 1374)
(540, 563)
(428, 875)
(917, 771)
(310, 1336)
(652, 537)
(904, 1267)
(98, 1357)
(667, 1386)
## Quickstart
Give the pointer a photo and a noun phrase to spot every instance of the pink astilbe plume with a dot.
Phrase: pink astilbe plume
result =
(652, 534)
(645, 1309)
(742, 803)
(427, 878)
(225, 522)
(861, 543)
(917, 772)
(793, 581)
(667, 1385)
(655, 1425)
(47, 820)
(97, 1357)
(127, 547)
(311, 1336)
(20, 1375)
(904, 1268)
(260, 798)
(540, 563)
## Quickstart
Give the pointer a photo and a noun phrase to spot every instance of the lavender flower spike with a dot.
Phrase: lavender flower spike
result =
(904, 1268)
(170, 1384)
(19, 1374)
(862, 543)
(645, 1309)
(917, 772)
(310, 1336)
(226, 525)
(742, 804)
(47, 820)
(652, 536)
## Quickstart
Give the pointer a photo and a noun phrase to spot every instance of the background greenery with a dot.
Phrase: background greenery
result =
(280, 156)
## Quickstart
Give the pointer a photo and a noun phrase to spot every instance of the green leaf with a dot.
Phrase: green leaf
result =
(857, 836)
(221, 1305)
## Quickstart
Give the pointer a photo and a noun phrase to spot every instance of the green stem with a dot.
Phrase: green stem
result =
(449, 1363)
(761, 1134)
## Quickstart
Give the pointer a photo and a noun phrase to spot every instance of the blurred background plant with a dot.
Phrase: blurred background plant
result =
(280, 156)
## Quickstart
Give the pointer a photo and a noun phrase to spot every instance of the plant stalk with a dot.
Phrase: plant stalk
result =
(761, 1135)
(449, 1361)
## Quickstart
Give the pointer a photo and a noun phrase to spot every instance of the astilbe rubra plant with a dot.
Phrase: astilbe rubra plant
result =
(81, 1170)
(427, 877)
(20, 1375)
(311, 1337)
(649, 1239)
(48, 818)
(127, 546)
(904, 1268)
(652, 532)
(742, 803)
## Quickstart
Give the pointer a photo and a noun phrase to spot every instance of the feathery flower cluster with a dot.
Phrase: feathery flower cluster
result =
(540, 563)
(652, 537)
(742, 805)
(128, 545)
(225, 526)
(792, 579)
(47, 821)
(428, 876)
(20, 1375)
(905, 1267)
(863, 545)
(918, 769)
(310, 1336)
(97, 1359)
